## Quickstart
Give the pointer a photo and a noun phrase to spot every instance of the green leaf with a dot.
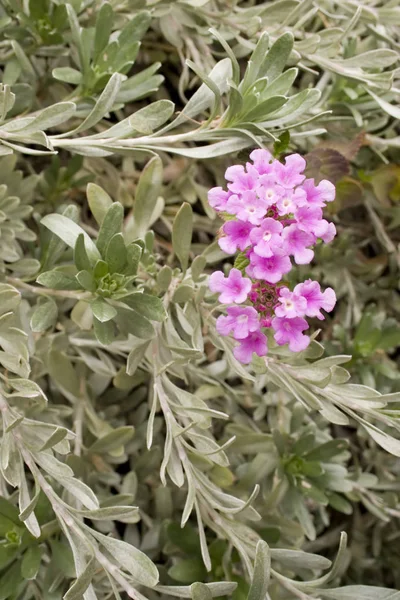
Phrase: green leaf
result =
(102, 310)
(147, 193)
(99, 202)
(199, 591)
(64, 374)
(359, 592)
(133, 252)
(86, 281)
(261, 576)
(188, 570)
(79, 587)
(113, 440)
(57, 280)
(277, 57)
(31, 562)
(103, 105)
(135, 562)
(44, 315)
(67, 74)
(81, 259)
(148, 119)
(182, 230)
(149, 306)
(112, 224)
(281, 146)
(103, 28)
(129, 321)
(68, 232)
(116, 254)
(104, 332)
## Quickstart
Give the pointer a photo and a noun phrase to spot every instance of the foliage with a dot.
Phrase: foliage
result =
(138, 457)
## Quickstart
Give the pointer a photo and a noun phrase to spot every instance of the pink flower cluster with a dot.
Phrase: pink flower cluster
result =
(273, 213)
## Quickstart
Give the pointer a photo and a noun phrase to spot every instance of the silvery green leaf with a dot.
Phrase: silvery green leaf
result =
(147, 193)
(64, 374)
(45, 315)
(111, 225)
(27, 506)
(147, 305)
(182, 234)
(113, 440)
(58, 280)
(79, 587)
(361, 592)
(116, 254)
(125, 514)
(151, 117)
(129, 321)
(261, 575)
(135, 562)
(297, 559)
(56, 437)
(49, 117)
(103, 105)
(276, 58)
(81, 491)
(31, 563)
(200, 591)
(67, 74)
(222, 588)
(69, 231)
(99, 201)
(102, 310)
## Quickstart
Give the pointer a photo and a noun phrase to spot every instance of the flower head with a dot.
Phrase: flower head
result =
(247, 207)
(266, 237)
(290, 174)
(217, 198)
(291, 304)
(318, 195)
(237, 236)
(254, 342)
(241, 180)
(271, 269)
(290, 331)
(315, 299)
(234, 288)
(241, 320)
(295, 242)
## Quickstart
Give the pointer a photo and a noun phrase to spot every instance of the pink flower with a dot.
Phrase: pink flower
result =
(329, 233)
(271, 269)
(290, 200)
(309, 218)
(290, 174)
(266, 237)
(311, 291)
(262, 161)
(254, 342)
(296, 242)
(237, 235)
(247, 207)
(241, 320)
(241, 180)
(290, 331)
(234, 288)
(318, 195)
(292, 304)
(268, 190)
(217, 198)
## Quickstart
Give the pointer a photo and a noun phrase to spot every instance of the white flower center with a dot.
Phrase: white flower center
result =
(269, 194)
(286, 202)
(251, 210)
(267, 237)
(289, 304)
(243, 319)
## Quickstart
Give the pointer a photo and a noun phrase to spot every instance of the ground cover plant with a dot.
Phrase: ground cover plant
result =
(199, 309)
